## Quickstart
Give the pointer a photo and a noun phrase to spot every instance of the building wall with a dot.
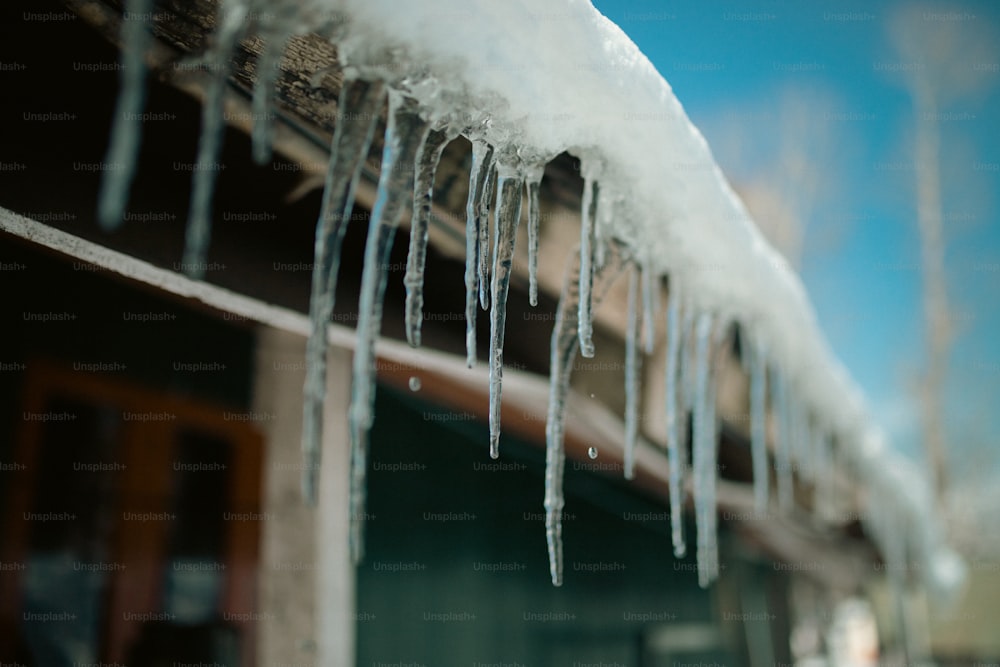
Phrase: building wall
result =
(456, 570)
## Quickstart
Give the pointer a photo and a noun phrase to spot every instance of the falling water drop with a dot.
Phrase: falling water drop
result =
(588, 222)
(592, 453)
(508, 215)
(360, 102)
(416, 260)
(404, 138)
(127, 134)
(414, 383)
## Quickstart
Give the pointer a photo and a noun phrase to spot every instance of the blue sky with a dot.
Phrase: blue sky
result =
(731, 65)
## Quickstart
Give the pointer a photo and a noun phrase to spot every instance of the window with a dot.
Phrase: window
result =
(132, 526)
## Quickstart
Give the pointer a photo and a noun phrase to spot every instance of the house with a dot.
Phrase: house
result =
(151, 510)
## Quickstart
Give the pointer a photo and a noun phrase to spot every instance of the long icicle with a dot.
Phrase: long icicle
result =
(632, 366)
(675, 452)
(758, 425)
(687, 373)
(564, 346)
(809, 447)
(783, 444)
(711, 517)
(483, 208)
(416, 260)
(718, 332)
(703, 467)
(231, 24)
(404, 137)
(799, 442)
(482, 159)
(534, 184)
(588, 245)
(126, 138)
(827, 475)
(263, 97)
(360, 102)
(650, 297)
(508, 216)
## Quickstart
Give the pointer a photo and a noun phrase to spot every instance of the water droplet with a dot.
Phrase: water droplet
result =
(592, 452)
(414, 383)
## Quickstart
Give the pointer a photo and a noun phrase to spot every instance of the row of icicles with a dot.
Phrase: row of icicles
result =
(693, 336)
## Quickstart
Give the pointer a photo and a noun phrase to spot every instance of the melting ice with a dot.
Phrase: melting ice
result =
(412, 139)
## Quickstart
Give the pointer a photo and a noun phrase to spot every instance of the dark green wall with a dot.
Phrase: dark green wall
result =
(422, 466)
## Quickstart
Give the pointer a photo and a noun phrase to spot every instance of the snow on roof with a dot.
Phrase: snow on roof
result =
(558, 76)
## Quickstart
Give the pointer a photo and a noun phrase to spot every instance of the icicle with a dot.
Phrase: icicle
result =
(746, 352)
(810, 448)
(894, 551)
(484, 236)
(600, 251)
(482, 159)
(827, 473)
(199, 227)
(710, 519)
(588, 222)
(783, 443)
(704, 445)
(650, 296)
(534, 184)
(564, 346)
(404, 138)
(800, 437)
(423, 191)
(508, 215)
(797, 441)
(632, 365)
(126, 137)
(758, 425)
(360, 102)
(687, 374)
(675, 452)
(263, 97)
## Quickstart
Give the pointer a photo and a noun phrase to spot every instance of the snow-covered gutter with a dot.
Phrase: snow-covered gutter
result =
(526, 80)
